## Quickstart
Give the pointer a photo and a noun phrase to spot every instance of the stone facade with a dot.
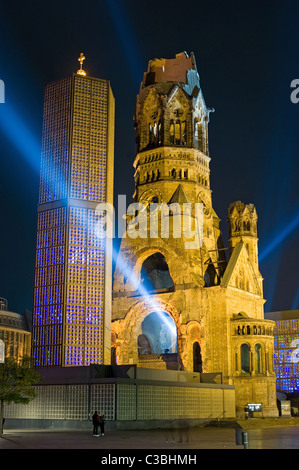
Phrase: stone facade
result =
(177, 303)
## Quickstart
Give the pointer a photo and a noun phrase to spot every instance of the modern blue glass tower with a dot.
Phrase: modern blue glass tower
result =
(72, 289)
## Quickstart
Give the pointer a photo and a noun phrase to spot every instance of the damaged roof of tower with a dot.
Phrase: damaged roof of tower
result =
(181, 69)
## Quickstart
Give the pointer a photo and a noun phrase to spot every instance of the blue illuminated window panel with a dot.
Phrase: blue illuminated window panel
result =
(284, 341)
(296, 370)
(285, 355)
(85, 284)
(48, 294)
(286, 369)
(286, 385)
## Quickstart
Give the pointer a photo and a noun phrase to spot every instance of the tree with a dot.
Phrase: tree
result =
(16, 383)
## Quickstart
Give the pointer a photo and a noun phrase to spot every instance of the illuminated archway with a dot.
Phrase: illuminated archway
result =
(160, 330)
(136, 323)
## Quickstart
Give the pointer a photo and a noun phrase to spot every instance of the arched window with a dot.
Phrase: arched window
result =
(155, 133)
(177, 133)
(184, 133)
(210, 276)
(113, 348)
(237, 226)
(159, 133)
(151, 134)
(245, 358)
(171, 133)
(200, 137)
(258, 358)
(197, 360)
(246, 225)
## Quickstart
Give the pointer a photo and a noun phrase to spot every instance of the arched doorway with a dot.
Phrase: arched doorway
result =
(197, 360)
(155, 273)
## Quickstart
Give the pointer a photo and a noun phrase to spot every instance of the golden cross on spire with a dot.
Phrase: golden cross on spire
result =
(81, 59)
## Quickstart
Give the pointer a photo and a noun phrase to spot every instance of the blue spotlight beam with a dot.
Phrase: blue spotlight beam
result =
(20, 136)
(279, 238)
(22, 139)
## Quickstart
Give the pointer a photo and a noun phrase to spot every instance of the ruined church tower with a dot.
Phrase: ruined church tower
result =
(180, 302)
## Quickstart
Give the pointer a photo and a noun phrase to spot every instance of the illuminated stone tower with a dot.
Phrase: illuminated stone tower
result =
(178, 305)
(72, 293)
(243, 228)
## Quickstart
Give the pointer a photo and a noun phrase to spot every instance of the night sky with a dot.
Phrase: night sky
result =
(247, 54)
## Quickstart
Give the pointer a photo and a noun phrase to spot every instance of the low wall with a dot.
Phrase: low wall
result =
(60, 402)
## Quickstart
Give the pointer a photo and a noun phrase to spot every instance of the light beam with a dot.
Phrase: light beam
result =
(279, 238)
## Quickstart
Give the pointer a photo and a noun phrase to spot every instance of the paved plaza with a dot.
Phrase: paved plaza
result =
(262, 434)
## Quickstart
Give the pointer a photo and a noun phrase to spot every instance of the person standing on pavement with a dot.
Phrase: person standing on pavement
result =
(102, 423)
(95, 422)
